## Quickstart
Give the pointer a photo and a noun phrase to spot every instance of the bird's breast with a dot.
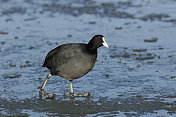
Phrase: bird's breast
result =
(77, 67)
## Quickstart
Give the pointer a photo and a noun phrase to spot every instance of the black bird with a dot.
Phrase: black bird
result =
(71, 61)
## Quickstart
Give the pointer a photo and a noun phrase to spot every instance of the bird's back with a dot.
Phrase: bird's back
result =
(70, 61)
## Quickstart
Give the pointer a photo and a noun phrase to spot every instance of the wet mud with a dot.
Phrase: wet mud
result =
(134, 77)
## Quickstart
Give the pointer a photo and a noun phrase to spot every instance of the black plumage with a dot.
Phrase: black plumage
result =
(73, 60)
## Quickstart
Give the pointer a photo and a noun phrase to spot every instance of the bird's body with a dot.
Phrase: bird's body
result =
(70, 61)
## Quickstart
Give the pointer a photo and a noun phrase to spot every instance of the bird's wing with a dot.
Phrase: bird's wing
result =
(59, 55)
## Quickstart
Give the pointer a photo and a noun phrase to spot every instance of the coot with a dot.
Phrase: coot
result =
(71, 61)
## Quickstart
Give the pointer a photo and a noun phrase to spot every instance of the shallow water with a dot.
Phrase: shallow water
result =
(134, 77)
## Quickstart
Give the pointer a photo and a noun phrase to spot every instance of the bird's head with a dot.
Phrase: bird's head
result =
(97, 41)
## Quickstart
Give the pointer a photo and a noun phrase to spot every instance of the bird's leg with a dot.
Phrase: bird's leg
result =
(47, 77)
(76, 95)
(71, 87)
(47, 95)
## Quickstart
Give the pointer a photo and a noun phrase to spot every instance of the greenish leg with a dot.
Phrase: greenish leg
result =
(43, 86)
(71, 87)
(75, 95)
(47, 95)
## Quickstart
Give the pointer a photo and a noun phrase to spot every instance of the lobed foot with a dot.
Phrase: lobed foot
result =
(77, 95)
(47, 95)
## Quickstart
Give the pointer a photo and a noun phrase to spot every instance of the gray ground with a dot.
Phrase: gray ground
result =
(134, 77)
